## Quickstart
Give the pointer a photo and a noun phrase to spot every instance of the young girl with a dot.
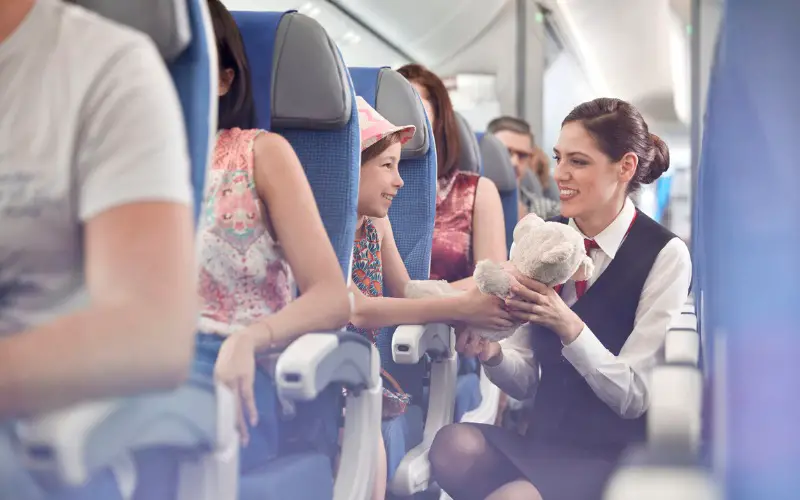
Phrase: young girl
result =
(252, 255)
(377, 262)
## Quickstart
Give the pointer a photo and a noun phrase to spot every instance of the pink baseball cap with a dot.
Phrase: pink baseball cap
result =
(375, 127)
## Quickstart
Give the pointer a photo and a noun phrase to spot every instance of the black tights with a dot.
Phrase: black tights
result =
(468, 467)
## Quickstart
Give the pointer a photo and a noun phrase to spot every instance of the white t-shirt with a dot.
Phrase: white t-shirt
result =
(90, 121)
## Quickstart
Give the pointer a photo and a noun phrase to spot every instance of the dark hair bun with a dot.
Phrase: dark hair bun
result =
(660, 163)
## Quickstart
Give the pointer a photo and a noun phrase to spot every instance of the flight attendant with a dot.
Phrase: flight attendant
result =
(596, 342)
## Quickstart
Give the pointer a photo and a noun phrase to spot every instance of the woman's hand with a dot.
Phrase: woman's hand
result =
(471, 345)
(484, 311)
(236, 368)
(540, 304)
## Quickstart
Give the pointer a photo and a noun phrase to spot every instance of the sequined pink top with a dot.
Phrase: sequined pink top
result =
(243, 273)
(451, 257)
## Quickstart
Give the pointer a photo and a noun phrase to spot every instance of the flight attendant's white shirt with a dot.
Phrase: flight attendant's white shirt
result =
(622, 381)
(90, 121)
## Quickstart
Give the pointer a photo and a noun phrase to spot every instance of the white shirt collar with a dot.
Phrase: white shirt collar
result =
(610, 239)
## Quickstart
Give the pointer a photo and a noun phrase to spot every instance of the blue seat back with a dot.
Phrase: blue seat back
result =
(414, 209)
(747, 258)
(498, 168)
(194, 73)
(302, 91)
(469, 158)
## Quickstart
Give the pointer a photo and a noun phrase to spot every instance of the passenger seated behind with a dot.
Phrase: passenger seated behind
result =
(259, 232)
(527, 158)
(375, 256)
(97, 275)
(469, 214)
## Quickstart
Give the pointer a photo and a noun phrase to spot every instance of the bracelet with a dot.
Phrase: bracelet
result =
(271, 343)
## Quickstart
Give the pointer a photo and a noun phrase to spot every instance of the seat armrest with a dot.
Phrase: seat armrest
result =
(316, 361)
(66, 447)
(411, 342)
(682, 346)
(674, 419)
(660, 474)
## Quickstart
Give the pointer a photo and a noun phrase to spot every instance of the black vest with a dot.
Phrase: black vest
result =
(566, 410)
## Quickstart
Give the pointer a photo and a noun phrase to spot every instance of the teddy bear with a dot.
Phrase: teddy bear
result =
(549, 252)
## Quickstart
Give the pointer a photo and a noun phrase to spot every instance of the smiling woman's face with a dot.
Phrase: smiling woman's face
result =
(588, 180)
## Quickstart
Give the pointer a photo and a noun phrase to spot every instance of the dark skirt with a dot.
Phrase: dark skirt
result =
(558, 472)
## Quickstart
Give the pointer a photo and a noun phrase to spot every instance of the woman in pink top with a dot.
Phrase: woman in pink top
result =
(252, 255)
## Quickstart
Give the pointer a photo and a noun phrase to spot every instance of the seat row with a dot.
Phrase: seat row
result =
(304, 91)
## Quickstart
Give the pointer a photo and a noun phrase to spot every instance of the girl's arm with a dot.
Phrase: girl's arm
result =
(488, 229)
(394, 309)
(290, 203)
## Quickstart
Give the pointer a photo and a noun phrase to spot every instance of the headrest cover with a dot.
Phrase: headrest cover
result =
(470, 158)
(497, 164)
(310, 83)
(165, 21)
(398, 102)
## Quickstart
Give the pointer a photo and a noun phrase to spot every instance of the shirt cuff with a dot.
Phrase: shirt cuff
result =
(587, 353)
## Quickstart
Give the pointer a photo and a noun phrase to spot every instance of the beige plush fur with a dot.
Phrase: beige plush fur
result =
(548, 252)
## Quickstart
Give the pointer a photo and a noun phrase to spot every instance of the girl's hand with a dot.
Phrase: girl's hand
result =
(484, 311)
(236, 368)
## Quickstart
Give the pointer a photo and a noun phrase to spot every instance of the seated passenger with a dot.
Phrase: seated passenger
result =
(469, 223)
(260, 235)
(375, 257)
(596, 342)
(97, 274)
(516, 135)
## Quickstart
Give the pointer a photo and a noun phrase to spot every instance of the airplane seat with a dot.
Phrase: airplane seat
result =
(409, 351)
(668, 465)
(498, 168)
(66, 450)
(302, 90)
(470, 159)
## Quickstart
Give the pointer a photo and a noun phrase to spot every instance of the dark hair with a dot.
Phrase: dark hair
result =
(445, 130)
(379, 147)
(618, 128)
(236, 108)
(511, 124)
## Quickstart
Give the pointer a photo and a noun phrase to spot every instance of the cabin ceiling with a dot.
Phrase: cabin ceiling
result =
(635, 50)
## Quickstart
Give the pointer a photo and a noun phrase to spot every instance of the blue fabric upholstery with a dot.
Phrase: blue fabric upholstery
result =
(748, 221)
(330, 156)
(195, 78)
(412, 216)
(331, 159)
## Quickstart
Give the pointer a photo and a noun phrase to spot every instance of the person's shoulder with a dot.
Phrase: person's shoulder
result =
(95, 36)
(383, 226)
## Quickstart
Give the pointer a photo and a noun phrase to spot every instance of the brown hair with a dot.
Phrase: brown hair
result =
(379, 147)
(618, 128)
(511, 124)
(236, 108)
(445, 129)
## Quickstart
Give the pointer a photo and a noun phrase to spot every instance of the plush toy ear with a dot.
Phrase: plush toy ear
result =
(526, 225)
(558, 253)
(585, 270)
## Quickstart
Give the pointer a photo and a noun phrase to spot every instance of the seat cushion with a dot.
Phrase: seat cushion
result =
(280, 480)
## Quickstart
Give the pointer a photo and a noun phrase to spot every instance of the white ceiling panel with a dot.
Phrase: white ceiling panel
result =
(359, 47)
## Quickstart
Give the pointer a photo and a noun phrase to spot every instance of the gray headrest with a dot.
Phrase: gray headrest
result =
(497, 163)
(311, 85)
(397, 101)
(531, 183)
(470, 157)
(165, 21)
